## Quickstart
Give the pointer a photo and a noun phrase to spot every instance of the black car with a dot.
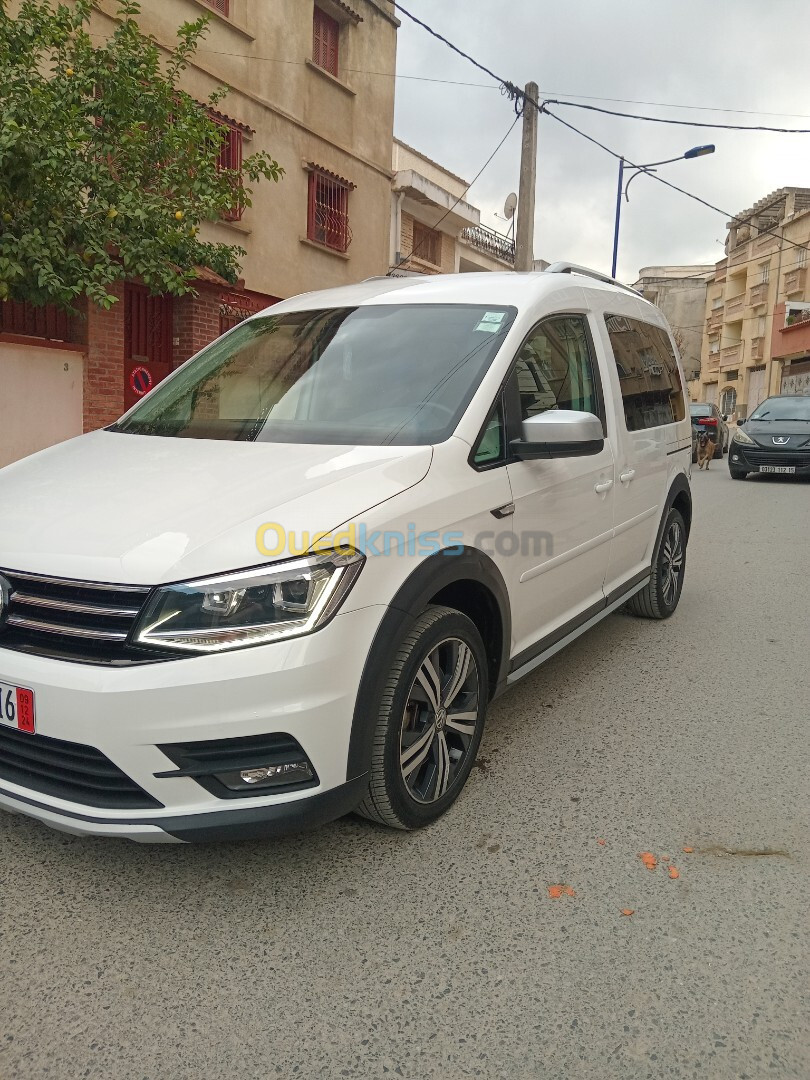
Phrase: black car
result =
(708, 418)
(774, 439)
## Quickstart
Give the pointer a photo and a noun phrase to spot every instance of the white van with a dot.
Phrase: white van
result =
(288, 583)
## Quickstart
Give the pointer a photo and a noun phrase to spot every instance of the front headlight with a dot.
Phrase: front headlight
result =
(742, 437)
(251, 607)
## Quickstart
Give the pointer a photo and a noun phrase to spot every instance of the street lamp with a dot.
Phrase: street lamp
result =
(696, 151)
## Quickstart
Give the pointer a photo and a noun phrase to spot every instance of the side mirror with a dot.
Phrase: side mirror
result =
(740, 422)
(559, 433)
(724, 417)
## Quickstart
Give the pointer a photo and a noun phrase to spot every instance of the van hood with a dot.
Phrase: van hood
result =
(142, 510)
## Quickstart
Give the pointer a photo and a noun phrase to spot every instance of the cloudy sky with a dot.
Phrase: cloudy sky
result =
(727, 55)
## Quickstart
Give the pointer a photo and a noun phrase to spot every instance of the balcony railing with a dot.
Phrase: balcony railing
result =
(758, 294)
(712, 363)
(715, 320)
(731, 356)
(735, 306)
(490, 243)
(795, 280)
(758, 348)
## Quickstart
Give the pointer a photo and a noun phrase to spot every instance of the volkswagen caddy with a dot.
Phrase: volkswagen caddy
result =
(287, 584)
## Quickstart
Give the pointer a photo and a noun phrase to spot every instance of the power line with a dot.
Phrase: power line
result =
(414, 251)
(682, 123)
(519, 96)
(667, 183)
(510, 88)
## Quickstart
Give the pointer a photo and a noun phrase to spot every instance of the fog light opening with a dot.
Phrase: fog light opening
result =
(293, 772)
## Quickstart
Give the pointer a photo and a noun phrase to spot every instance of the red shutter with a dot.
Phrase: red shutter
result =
(222, 6)
(325, 41)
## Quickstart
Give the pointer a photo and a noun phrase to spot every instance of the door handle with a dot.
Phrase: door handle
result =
(627, 476)
(603, 487)
(504, 511)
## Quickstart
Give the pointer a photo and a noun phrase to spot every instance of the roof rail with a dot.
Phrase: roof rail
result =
(573, 268)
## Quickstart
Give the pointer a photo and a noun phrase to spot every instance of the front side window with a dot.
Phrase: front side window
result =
(555, 369)
(648, 373)
(375, 375)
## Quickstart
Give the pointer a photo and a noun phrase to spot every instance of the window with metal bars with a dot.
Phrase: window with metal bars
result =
(230, 157)
(222, 6)
(325, 41)
(427, 244)
(328, 217)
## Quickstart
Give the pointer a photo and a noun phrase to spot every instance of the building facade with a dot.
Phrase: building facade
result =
(305, 87)
(757, 318)
(680, 292)
(434, 230)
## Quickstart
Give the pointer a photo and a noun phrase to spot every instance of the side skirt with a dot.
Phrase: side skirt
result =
(554, 648)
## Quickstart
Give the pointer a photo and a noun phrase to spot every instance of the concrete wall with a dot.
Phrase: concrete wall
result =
(40, 398)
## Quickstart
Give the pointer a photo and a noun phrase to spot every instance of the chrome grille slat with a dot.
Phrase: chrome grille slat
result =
(69, 619)
(68, 583)
(61, 628)
(72, 606)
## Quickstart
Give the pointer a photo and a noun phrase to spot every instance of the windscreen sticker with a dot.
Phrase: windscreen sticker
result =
(491, 322)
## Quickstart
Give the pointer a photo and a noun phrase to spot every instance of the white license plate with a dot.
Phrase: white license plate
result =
(778, 468)
(17, 708)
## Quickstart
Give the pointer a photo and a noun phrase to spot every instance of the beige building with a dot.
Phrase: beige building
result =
(434, 230)
(305, 88)
(680, 292)
(302, 89)
(757, 338)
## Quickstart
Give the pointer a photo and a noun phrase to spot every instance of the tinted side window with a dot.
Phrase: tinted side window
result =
(555, 370)
(648, 373)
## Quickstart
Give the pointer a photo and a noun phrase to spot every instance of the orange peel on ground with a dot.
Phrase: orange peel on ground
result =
(556, 891)
(688, 850)
(649, 860)
(674, 872)
(628, 911)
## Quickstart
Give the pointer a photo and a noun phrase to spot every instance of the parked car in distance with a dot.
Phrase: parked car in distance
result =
(774, 439)
(707, 417)
(287, 584)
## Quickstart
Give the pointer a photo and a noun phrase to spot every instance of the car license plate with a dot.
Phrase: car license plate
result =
(17, 708)
(778, 468)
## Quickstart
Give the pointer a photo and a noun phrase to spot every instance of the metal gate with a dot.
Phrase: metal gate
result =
(147, 341)
(757, 388)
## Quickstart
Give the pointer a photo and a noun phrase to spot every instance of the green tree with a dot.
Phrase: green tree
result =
(107, 167)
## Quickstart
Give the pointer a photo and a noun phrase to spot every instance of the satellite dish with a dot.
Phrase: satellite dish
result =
(510, 206)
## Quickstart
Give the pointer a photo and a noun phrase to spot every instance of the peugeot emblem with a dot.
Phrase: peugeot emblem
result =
(780, 440)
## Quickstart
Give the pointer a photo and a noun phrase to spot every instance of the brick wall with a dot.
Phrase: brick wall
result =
(104, 368)
(196, 322)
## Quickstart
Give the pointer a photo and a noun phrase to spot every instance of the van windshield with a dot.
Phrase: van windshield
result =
(375, 375)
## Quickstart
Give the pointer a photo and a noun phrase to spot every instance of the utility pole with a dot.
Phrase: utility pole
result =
(524, 238)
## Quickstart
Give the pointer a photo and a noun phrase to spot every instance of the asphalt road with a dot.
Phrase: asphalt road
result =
(360, 952)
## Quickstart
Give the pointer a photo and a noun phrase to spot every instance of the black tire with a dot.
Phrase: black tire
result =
(737, 474)
(659, 597)
(441, 641)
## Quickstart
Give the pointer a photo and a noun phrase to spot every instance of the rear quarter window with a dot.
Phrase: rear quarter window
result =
(652, 392)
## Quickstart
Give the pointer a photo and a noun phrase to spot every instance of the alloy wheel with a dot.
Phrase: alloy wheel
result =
(672, 554)
(439, 720)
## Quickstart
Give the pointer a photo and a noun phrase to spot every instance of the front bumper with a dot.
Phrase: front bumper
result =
(752, 458)
(305, 688)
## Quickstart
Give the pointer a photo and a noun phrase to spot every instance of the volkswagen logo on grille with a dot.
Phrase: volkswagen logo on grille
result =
(5, 593)
(780, 440)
